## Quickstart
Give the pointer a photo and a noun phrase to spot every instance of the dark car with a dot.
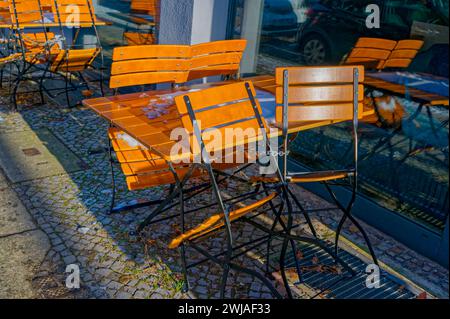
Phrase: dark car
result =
(279, 19)
(332, 27)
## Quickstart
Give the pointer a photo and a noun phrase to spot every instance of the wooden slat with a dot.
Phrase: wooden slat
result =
(74, 60)
(376, 43)
(139, 38)
(319, 94)
(316, 75)
(337, 111)
(214, 96)
(217, 221)
(119, 109)
(422, 96)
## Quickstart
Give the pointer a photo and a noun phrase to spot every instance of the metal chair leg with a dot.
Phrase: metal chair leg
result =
(41, 84)
(304, 213)
(347, 214)
(183, 248)
(285, 246)
(67, 90)
(113, 179)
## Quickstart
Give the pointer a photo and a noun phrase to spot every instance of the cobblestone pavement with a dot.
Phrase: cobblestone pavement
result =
(72, 211)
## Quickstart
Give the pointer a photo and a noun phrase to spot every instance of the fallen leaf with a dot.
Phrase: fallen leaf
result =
(353, 229)
(124, 279)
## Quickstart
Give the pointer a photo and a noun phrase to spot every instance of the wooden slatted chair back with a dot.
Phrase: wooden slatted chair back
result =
(77, 13)
(228, 109)
(25, 12)
(150, 7)
(150, 64)
(403, 54)
(370, 52)
(139, 38)
(318, 93)
(74, 60)
(216, 58)
(36, 12)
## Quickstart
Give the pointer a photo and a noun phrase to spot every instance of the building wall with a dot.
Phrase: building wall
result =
(193, 21)
(176, 21)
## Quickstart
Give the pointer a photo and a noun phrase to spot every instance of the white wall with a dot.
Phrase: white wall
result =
(193, 21)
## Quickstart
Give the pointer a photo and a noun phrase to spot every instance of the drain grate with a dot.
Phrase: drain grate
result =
(29, 155)
(336, 285)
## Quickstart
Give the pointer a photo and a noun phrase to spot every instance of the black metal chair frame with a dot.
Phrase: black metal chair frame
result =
(28, 67)
(226, 264)
(352, 172)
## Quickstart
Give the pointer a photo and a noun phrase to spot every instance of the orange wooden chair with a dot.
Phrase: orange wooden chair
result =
(223, 108)
(138, 66)
(139, 38)
(36, 46)
(403, 54)
(140, 13)
(47, 48)
(336, 94)
(216, 58)
(72, 59)
(149, 7)
(23, 13)
(144, 65)
(380, 54)
(370, 52)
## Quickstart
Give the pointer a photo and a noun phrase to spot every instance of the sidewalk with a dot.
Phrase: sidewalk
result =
(61, 218)
(23, 246)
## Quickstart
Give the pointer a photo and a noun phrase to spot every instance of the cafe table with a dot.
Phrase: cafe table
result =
(150, 117)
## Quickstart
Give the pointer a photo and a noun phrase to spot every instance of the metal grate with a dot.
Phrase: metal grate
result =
(342, 286)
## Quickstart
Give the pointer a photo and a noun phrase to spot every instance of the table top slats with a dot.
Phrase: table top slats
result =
(137, 115)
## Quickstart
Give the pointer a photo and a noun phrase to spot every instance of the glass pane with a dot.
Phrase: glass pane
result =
(132, 23)
(404, 146)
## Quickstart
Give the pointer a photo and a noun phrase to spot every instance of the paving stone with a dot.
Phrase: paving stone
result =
(62, 203)
(123, 295)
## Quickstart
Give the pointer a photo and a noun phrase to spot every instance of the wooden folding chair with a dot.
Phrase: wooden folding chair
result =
(370, 52)
(71, 59)
(139, 38)
(145, 14)
(36, 46)
(403, 54)
(225, 108)
(238, 107)
(336, 94)
(216, 58)
(147, 7)
(139, 66)
(381, 54)
(152, 64)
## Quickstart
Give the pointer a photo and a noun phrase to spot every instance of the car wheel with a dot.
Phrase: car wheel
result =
(315, 50)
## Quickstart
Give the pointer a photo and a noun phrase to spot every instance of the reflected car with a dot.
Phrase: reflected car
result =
(279, 19)
(332, 27)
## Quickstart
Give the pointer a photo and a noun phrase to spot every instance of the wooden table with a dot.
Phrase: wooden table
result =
(395, 87)
(130, 113)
